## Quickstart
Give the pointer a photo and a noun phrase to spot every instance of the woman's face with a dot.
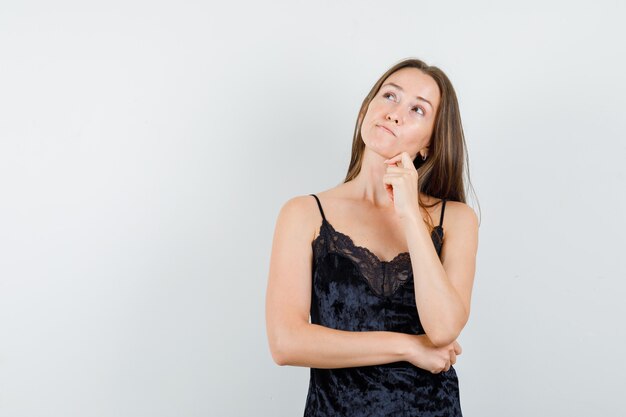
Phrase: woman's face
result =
(405, 104)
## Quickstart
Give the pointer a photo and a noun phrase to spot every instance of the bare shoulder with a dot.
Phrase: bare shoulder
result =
(460, 218)
(289, 287)
(300, 215)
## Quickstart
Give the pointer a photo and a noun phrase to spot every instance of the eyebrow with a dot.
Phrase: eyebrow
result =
(417, 97)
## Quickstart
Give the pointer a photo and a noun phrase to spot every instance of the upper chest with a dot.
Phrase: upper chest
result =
(379, 232)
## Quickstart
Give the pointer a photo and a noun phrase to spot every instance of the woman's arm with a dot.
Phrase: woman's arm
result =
(443, 287)
(292, 339)
(315, 346)
(295, 341)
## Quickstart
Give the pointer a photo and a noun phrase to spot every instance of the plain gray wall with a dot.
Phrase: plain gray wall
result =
(147, 147)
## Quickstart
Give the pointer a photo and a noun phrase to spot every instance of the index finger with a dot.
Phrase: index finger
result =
(406, 160)
(402, 158)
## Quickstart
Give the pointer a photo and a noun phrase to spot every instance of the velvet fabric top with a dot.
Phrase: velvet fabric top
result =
(354, 290)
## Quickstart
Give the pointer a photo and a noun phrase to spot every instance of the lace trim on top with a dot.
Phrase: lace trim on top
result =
(383, 277)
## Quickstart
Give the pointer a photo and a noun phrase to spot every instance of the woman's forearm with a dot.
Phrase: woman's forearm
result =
(314, 346)
(441, 310)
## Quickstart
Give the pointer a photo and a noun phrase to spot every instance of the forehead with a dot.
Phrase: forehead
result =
(416, 83)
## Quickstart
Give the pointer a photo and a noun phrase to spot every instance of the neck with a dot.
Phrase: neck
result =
(368, 184)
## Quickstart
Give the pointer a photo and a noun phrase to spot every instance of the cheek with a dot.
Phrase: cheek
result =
(417, 135)
(375, 107)
(415, 131)
(421, 128)
(370, 110)
(369, 116)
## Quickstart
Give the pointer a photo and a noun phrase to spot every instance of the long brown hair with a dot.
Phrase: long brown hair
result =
(441, 174)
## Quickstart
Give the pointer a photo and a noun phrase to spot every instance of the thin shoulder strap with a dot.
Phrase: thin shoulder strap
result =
(319, 205)
(443, 208)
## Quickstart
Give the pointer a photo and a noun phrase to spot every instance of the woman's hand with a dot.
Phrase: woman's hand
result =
(401, 184)
(425, 355)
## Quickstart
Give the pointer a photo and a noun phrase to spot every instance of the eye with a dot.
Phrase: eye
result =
(417, 107)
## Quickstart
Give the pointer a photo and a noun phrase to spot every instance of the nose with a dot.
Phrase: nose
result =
(393, 118)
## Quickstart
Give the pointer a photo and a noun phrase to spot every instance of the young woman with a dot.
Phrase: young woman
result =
(387, 290)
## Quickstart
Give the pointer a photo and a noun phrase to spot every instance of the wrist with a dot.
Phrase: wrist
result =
(414, 221)
(411, 217)
(408, 346)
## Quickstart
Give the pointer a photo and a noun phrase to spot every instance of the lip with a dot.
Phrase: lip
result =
(387, 129)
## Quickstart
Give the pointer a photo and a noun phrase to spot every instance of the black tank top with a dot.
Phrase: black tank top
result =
(354, 290)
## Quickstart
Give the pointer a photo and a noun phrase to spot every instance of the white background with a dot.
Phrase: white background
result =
(147, 147)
